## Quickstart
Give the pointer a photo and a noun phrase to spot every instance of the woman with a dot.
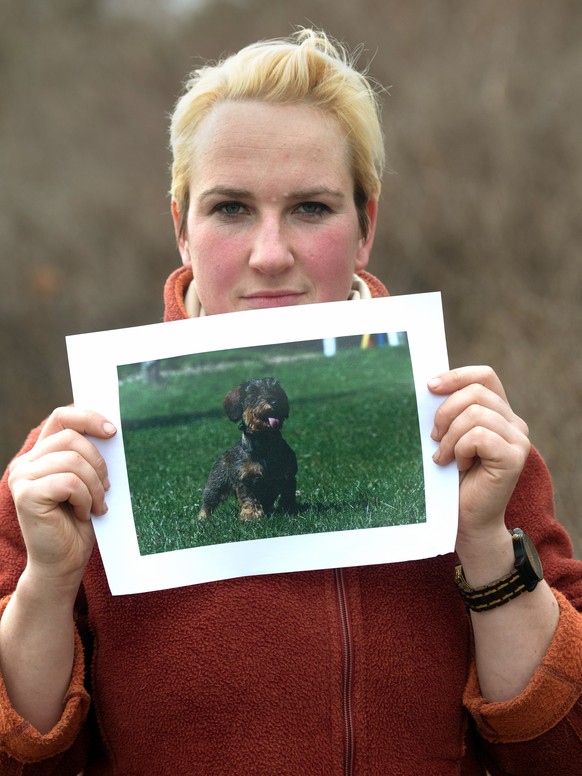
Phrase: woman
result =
(276, 178)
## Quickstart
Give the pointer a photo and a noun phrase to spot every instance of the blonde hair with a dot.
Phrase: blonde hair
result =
(308, 67)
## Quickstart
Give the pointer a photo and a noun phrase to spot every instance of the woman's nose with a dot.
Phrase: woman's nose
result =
(271, 252)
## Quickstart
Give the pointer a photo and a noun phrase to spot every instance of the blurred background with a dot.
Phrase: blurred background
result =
(482, 202)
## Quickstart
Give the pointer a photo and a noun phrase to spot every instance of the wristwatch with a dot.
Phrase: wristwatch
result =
(524, 577)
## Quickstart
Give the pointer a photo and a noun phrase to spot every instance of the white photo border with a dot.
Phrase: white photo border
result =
(93, 362)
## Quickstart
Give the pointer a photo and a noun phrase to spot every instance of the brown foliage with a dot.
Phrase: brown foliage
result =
(483, 135)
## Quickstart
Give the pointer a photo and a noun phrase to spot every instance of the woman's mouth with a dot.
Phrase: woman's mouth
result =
(282, 298)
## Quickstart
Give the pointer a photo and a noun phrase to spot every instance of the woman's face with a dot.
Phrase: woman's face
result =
(272, 220)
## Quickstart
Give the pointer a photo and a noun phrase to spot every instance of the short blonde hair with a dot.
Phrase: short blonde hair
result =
(308, 67)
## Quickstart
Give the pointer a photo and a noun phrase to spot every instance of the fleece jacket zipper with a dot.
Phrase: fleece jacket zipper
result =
(347, 671)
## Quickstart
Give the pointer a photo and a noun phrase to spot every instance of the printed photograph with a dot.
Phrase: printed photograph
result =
(269, 441)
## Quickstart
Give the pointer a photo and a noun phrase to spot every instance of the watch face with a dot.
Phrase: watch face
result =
(533, 557)
(527, 560)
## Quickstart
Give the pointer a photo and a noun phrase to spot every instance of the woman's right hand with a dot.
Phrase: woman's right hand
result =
(56, 486)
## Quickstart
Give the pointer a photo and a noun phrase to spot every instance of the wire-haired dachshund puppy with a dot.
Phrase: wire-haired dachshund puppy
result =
(261, 468)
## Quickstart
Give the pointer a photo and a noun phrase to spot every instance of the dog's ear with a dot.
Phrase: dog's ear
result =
(233, 404)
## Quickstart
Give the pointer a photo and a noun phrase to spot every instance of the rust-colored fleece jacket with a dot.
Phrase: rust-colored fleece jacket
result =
(362, 671)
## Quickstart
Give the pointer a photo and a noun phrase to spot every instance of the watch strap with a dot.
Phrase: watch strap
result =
(480, 599)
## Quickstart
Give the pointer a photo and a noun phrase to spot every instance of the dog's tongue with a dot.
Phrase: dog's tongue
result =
(274, 422)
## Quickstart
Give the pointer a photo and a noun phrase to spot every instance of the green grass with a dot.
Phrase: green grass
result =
(353, 425)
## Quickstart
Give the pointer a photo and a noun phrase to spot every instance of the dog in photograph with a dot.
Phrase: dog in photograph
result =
(262, 467)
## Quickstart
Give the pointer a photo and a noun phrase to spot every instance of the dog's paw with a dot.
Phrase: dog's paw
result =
(249, 512)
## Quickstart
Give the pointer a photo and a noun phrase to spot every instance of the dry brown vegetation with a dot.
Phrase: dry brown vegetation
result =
(484, 143)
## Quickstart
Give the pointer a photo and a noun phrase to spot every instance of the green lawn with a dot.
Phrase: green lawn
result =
(353, 425)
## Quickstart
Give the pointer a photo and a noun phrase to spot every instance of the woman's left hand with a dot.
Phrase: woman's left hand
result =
(476, 427)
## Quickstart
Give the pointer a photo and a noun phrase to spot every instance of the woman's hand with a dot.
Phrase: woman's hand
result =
(56, 486)
(476, 427)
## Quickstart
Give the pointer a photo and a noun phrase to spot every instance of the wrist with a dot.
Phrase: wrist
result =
(36, 588)
(486, 556)
(524, 576)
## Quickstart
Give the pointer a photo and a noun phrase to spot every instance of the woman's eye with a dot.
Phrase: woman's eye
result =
(229, 208)
(313, 208)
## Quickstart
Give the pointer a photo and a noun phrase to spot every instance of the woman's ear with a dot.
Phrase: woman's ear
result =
(181, 235)
(367, 241)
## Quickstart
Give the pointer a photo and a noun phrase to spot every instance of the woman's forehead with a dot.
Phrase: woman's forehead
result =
(249, 139)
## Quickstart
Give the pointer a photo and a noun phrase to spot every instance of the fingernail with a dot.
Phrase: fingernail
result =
(109, 428)
(434, 382)
(437, 455)
(106, 483)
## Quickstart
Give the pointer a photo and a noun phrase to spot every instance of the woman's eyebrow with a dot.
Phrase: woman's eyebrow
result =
(316, 192)
(225, 191)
